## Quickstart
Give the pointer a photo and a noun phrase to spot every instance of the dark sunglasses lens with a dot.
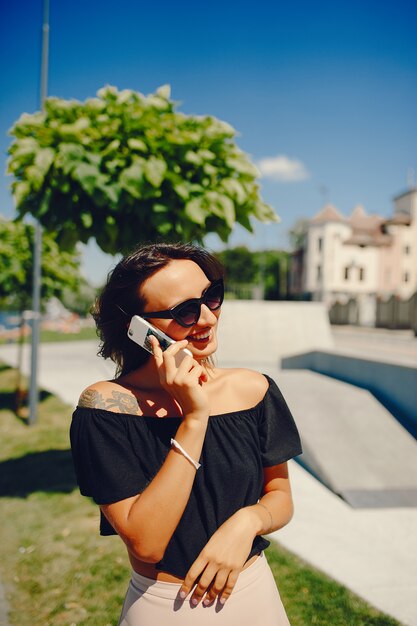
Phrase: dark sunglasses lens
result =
(188, 314)
(214, 297)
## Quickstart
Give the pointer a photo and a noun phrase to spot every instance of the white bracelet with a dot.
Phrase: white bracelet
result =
(187, 456)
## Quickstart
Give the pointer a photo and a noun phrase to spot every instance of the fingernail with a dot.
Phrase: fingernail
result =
(206, 601)
(183, 594)
(222, 600)
(194, 601)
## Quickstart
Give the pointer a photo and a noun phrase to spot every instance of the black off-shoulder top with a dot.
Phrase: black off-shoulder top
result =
(116, 455)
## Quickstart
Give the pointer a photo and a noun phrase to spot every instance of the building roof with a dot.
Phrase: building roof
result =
(328, 213)
(367, 229)
(375, 239)
(361, 221)
(399, 218)
(405, 193)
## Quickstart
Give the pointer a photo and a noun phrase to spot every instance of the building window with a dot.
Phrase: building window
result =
(361, 273)
(318, 272)
(407, 249)
(346, 273)
(320, 244)
(406, 277)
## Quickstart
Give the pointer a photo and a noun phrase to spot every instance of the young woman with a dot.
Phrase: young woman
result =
(188, 464)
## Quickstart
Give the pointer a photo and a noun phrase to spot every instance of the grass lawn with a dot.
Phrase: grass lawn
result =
(53, 335)
(58, 571)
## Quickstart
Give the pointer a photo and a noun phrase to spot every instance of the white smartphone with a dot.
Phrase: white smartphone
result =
(140, 330)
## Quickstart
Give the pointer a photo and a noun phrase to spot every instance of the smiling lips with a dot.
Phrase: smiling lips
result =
(204, 336)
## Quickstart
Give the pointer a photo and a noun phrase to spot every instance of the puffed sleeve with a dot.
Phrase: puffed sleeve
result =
(107, 466)
(278, 433)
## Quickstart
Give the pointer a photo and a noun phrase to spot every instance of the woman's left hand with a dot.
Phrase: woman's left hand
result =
(221, 560)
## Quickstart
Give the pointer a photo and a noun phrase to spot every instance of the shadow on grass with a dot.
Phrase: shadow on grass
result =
(49, 471)
(8, 400)
(18, 403)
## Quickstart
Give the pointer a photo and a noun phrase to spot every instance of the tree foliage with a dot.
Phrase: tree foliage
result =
(265, 268)
(60, 270)
(240, 265)
(273, 269)
(298, 232)
(124, 168)
(79, 300)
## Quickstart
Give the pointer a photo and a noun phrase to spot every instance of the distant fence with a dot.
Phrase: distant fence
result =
(396, 313)
(392, 313)
(346, 313)
(252, 291)
(242, 291)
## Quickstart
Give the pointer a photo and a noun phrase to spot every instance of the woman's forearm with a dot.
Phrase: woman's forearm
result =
(273, 511)
(149, 522)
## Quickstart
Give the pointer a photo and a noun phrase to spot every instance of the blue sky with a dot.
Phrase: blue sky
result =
(330, 85)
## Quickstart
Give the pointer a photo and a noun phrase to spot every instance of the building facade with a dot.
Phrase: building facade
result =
(361, 256)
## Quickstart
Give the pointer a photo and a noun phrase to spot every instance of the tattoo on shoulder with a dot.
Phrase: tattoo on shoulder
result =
(124, 402)
(119, 401)
(92, 399)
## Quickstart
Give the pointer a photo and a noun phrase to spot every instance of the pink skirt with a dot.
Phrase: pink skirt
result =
(254, 600)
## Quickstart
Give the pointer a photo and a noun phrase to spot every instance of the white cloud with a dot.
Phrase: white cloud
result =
(283, 168)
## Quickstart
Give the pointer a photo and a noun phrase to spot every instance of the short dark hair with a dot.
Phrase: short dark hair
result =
(121, 297)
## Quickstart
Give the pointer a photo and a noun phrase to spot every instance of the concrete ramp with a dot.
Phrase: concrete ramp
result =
(253, 332)
(392, 383)
(351, 443)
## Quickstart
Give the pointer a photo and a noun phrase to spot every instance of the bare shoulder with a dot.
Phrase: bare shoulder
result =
(248, 386)
(109, 396)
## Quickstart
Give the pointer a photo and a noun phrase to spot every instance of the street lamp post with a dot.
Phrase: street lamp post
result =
(37, 244)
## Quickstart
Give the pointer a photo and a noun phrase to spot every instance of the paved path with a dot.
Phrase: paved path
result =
(370, 551)
(396, 346)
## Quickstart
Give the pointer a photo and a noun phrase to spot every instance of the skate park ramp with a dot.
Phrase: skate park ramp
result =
(351, 443)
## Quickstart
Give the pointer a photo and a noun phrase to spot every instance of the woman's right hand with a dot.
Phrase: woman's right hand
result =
(184, 382)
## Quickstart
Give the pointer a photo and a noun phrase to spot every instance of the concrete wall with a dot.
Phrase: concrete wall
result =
(259, 332)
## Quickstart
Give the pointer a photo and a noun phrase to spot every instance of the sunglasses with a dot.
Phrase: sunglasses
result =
(188, 313)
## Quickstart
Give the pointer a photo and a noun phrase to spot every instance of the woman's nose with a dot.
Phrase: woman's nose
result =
(206, 316)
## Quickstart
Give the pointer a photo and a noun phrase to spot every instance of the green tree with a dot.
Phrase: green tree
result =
(240, 264)
(273, 273)
(79, 300)
(264, 268)
(124, 168)
(60, 270)
(298, 232)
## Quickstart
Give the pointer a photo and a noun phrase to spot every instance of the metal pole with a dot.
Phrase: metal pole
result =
(37, 244)
(45, 53)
